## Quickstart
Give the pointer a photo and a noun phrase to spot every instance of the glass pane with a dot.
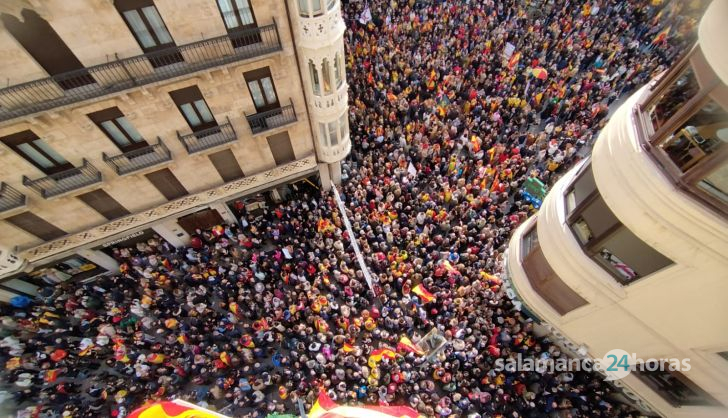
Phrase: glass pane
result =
(322, 133)
(256, 93)
(337, 69)
(270, 92)
(316, 7)
(342, 126)
(698, 137)
(314, 78)
(529, 242)
(190, 114)
(129, 128)
(583, 187)
(115, 133)
(716, 183)
(228, 14)
(331, 4)
(596, 219)
(140, 30)
(204, 111)
(33, 155)
(630, 257)
(49, 151)
(246, 15)
(332, 133)
(303, 7)
(326, 71)
(673, 98)
(150, 12)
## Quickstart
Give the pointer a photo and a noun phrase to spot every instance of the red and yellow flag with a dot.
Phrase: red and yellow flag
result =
(405, 344)
(183, 339)
(173, 409)
(225, 358)
(423, 293)
(326, 408)
(348, 348)
(234, 308)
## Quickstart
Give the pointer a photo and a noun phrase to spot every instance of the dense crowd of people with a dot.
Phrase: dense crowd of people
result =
(445, 129)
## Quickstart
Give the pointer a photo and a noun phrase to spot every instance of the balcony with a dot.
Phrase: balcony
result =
(139, 159)
(65, 181)
(271, 119)
(10, 198)
(120, 74)
(208, 138)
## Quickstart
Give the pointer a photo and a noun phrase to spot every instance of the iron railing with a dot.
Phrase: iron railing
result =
(208, 138)
(271, 119)
(86, 83)
(65, 181)
(139, 159)
(10, 198)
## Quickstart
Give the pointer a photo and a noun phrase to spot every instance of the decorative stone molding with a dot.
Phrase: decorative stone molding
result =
(263, 179)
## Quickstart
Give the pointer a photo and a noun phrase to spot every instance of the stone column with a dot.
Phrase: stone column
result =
(324, 175)
(225, 212)
(172, 233)
(335, 170)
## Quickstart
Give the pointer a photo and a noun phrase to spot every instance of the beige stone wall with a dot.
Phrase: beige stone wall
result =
(150, 109)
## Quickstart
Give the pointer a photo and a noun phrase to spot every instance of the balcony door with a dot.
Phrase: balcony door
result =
(42, 42)
(262, 90)
(147, 26)
(238, 16)
(118, 129)
(194, 108)
(37, 152)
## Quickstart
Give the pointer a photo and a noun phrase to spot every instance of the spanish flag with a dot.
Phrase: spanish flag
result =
(246, 341)
(661, 36)
(405, 344)
(423, 293)
(173, 409)
(225, 358)
(234, 308)
(380, 353)
(51, 375)
(155, 358)
(183, 339)
(348, 348)
(514, 60)
(325, 407)
(449, 267)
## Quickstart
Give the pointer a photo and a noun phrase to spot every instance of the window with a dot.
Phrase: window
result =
(603, 237)
(332, 134)
(101, 202)
(147, 26)
(303, 8)
(529, 242)
(330, 4)
(193, 107)
(547, 284)
(715, 183)
(42, 42)
(672, 98)
(35, 225)
(701, 135)
(237, 14)
(337, 70)
(326, 71)
(317, 9)
(280, 147)
(167, 184)
(673, 386)
(316, 83)
(37, 152)
(226, 165)
(122, 133)
(262, 90)
(344, 126)
(322, 134)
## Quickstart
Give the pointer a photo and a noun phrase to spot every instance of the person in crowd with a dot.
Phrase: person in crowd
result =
(445, 128)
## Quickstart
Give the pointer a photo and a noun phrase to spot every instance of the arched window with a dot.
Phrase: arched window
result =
(322, 134)
(303, 8)
(318, 10)
(315, 82)
(326, 71)
(337, 70)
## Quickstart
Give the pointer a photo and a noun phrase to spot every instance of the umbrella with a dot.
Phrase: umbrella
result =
(540, 73)
(20, 301)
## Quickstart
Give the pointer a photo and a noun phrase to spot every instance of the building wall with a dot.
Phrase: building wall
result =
(680, 311)
(149, 108)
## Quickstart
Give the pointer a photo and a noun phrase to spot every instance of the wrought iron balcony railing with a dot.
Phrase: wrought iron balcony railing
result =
(271, 119)
(99, 80)
(208, 138)
(139, 159)
(65, 181)
(10, 198)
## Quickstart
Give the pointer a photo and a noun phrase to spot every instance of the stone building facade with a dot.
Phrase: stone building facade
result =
(124, 118)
